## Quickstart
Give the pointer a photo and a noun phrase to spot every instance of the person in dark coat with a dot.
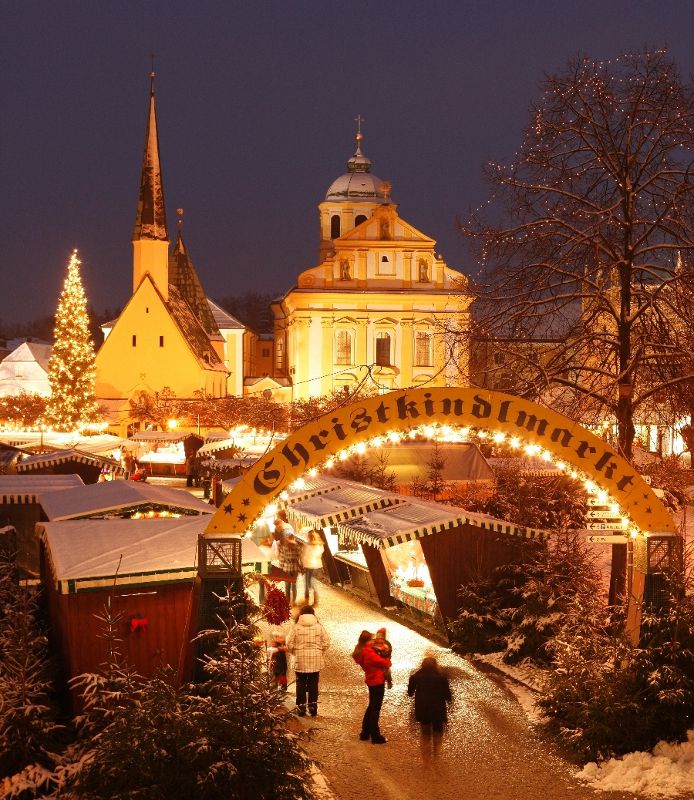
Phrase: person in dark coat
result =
(432, 692)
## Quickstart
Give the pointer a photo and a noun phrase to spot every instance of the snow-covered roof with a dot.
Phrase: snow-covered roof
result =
(32, 351)
(410, 460)
(113, 496)
(217, 446)
(224, 320)
(88, 554)
(412, 520)
(384, 519)
(55, 457)
(161, 437)
(329, 502)
(29, 488)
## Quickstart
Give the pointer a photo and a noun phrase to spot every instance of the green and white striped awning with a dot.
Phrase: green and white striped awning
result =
(332, 503)
(413, 520)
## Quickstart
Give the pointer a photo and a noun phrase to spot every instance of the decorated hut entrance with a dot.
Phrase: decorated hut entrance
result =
(470, 413)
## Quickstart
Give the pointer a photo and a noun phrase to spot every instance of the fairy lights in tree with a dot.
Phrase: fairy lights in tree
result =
(71, 370)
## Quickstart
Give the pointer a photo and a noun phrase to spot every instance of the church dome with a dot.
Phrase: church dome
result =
(358, 183)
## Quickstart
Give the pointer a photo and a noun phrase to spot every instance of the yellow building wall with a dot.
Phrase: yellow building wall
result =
(122, 369)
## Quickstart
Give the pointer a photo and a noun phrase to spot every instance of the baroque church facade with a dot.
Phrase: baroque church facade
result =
(381, 310)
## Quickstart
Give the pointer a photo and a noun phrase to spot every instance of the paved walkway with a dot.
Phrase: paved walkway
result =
(489, 749)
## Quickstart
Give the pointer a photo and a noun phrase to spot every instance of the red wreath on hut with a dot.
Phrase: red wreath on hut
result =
(138, 624)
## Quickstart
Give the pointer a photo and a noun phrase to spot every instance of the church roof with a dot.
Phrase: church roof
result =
(224, 320)
(150, 220)
(183, 276)
(358, 183)
(190, 326)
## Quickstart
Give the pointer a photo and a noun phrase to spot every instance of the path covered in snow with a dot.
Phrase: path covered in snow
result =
(489, 750)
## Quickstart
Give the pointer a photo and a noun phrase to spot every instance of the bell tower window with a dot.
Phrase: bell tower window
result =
(359, 219)
(335, 226)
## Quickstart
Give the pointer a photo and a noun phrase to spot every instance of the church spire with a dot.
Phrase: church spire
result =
(150, 221)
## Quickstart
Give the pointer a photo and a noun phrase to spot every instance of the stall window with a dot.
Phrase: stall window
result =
(383, 349)
(423, 356)
(335, 226)
(343, 347)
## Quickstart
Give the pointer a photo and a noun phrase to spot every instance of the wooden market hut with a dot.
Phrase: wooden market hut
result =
(381, 546)
(164, 453)
(124, 499)
(146, 569)
(20, 507)
(88, 466)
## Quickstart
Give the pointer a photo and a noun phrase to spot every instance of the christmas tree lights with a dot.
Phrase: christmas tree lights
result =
(71, 369)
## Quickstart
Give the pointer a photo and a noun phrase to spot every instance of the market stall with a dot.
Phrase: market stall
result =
(164, 453)
(88, 466)
(146, 569)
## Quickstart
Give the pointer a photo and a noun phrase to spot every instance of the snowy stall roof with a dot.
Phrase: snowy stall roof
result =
(331, 502)
(160, 437)
(220, 444)
(30, 488)
(117, 496)
(101, 443)
(412, 520)
(41, 460)
(409, 460)
(88, 554)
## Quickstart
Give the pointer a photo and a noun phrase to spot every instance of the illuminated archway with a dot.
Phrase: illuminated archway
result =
(518, 422)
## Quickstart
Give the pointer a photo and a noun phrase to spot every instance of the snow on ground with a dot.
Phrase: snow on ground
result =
(666, 772)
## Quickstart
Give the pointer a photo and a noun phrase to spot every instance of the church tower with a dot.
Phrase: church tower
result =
(351, 199)
(151, 236)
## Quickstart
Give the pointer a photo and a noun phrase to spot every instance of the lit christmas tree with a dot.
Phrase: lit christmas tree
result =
(71, 371)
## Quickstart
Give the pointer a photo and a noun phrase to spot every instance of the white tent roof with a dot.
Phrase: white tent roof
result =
(100, 498)
(86, 554)
(28, 488)
(53, 457)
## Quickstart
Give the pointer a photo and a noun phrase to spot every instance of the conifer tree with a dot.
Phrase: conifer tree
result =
(71, 370)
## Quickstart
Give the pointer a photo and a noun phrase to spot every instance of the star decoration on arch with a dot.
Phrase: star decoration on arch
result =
(246, 501)
(228, 509)
(242, 517)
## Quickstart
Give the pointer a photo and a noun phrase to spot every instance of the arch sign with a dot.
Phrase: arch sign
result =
(506, 417)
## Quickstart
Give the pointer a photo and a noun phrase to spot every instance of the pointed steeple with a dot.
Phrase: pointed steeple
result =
(183, 276)
(151, 236)
(150, 221)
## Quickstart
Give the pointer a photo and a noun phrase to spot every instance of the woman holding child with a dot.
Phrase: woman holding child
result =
(374, 666)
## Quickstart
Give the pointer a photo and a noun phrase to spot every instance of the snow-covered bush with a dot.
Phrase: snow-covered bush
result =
(29, 732)
(606, 697)
(151, 738)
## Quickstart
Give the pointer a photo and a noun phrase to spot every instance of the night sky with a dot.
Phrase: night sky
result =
(255, 103)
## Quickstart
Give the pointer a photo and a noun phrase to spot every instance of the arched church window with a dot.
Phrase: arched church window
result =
(343, 347)
(335, 226)
(359, 219)
(383, 349)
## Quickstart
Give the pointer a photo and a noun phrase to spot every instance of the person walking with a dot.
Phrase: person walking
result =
(432, 692)
(307, 641)
(374, 667)
(288, 553)
(311, 560)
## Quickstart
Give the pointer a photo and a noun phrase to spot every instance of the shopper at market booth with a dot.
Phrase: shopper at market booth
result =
(307, 641)
(374, 667)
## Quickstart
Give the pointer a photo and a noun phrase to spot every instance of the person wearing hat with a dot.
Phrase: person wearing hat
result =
(307, 642)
